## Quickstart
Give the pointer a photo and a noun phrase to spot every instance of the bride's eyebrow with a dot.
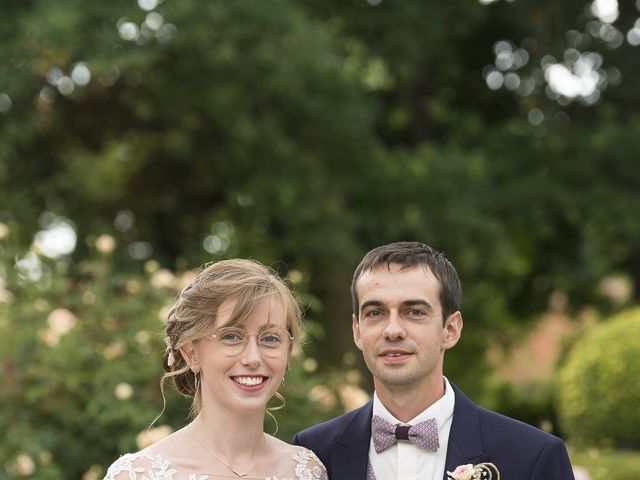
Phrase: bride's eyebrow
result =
(231, 324)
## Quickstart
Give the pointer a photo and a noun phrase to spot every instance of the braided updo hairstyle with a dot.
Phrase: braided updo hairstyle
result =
(196, 308)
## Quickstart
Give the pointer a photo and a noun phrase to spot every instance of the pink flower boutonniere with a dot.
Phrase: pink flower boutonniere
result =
(481, 471)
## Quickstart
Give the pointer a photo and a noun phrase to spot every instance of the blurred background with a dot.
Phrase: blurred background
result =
(141, 139)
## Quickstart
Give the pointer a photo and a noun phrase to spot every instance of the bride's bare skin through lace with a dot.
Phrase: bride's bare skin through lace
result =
(304, 466)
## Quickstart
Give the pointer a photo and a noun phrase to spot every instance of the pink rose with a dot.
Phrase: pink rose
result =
(462, 472)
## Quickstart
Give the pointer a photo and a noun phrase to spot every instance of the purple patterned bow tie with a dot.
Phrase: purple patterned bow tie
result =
(385, 434)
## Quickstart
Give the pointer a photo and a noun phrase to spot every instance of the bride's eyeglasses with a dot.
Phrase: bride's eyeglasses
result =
(271, 342)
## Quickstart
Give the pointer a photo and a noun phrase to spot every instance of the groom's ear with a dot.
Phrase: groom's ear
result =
(452, 330)
(355, 325)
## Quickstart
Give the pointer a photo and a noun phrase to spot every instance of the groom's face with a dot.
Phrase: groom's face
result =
(400, 327)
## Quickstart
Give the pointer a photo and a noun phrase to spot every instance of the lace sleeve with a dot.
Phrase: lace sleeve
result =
(124, 469)
(308, 466)
(132, 466)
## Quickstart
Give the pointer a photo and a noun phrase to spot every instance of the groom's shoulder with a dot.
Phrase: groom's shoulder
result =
(507, 429)
(501, 428)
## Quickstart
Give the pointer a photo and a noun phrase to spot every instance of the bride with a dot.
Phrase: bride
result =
(229, 337)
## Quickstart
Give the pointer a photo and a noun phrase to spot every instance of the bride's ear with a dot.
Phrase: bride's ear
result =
(190, 355)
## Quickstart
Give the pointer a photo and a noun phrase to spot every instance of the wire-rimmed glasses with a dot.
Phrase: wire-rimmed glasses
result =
(272, 342)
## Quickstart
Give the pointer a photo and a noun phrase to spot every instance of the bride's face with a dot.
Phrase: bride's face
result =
(242, 365)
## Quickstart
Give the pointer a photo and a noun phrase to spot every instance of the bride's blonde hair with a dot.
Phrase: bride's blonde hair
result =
(196, 308)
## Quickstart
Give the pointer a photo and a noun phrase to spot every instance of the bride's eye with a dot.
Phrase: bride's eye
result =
(271, 339)
(233, 336)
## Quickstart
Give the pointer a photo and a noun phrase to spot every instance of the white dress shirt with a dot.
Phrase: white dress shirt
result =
(406, 461)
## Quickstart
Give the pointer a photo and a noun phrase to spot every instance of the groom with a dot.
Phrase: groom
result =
(406, 314)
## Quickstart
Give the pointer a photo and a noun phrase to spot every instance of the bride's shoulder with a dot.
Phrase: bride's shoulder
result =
(155, 461)
(127, 466)
(306, 465)
(133, 466)
(308, 462)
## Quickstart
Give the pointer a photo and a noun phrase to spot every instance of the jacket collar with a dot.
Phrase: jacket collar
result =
(350, 453)
(465, 437)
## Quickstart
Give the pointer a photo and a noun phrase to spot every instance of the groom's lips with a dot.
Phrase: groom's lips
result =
(394, 355)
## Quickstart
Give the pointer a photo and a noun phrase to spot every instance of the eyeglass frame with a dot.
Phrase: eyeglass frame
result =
(245, 340)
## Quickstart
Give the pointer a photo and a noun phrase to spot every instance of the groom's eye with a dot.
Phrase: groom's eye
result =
(373, 313)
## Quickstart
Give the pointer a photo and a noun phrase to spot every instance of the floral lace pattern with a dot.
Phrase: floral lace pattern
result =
(307, 467)
(303, 469)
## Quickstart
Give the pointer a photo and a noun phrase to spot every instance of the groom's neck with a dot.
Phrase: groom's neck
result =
(405, 403)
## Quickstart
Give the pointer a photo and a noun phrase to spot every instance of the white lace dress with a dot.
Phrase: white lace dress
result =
(139, 466)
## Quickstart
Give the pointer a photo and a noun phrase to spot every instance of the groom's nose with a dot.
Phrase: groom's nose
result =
(394, 329)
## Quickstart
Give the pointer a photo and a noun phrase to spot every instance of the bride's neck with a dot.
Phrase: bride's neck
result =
(231, 435)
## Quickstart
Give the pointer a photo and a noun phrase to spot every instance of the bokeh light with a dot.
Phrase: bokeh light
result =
(495, 80)
(80, 74)
(140, 250)
(29, 267)
(535, 116)
(124, 221)
(511, 81)
(633, 35)
(153, 26)
(220, 239)
(148, 5)
(5, 103)
(605, 10)
(154, 20)
(579, 76)
(128, 30)
(57, 238)
(66, 86)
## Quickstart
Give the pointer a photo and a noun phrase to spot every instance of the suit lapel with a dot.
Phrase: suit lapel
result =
(465, 438)
(350, 453)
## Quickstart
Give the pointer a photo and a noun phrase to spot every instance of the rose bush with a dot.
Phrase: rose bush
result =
(80, 353)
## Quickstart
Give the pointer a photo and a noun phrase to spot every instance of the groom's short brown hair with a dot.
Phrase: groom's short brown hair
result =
(410, 255)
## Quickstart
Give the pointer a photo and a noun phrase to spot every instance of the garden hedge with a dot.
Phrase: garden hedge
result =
(599, 385)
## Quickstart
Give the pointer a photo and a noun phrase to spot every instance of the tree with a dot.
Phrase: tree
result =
(305, 134)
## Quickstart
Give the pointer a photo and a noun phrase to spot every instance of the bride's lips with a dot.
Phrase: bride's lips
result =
(394, 355)
(250, 382)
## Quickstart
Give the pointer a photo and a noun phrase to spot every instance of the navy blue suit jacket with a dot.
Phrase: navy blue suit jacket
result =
(520, 451)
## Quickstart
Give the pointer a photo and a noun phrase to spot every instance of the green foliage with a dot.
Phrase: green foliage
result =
(297, 134)
(534, 405)
(80, 352)
(302, 134)
(79, 349)
(598, 387)
(608, 464)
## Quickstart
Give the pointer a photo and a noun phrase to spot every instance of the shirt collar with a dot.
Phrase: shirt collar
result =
(441, 409)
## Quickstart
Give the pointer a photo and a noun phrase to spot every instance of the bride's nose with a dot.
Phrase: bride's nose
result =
(251, 356)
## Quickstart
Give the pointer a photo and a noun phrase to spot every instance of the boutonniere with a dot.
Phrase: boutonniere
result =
(481, 471)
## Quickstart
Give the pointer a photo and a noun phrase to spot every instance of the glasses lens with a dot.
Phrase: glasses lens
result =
(270, 342)
(273, 339)
(231, 340)
(230, 336)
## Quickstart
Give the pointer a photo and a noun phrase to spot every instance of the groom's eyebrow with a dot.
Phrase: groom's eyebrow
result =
(406, 303)
(371, 303)
(416, 303)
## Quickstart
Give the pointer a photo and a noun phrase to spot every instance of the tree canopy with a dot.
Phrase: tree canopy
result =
(303, 134)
